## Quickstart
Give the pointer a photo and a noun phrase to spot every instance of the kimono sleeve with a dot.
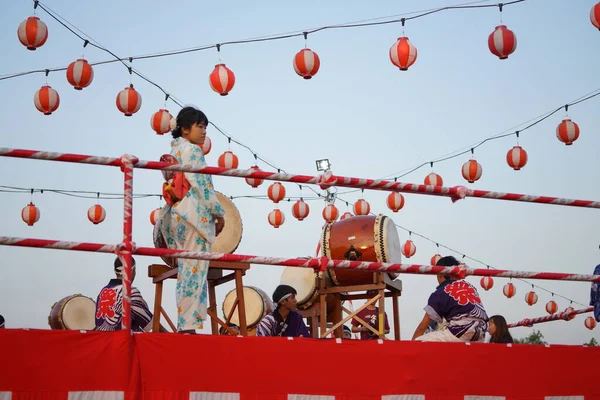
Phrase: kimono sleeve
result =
(201, 183)
(437, 305)
(265, 327)
(302, 330)
(140, 312)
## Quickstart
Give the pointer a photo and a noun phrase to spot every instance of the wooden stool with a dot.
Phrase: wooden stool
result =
(160, 272)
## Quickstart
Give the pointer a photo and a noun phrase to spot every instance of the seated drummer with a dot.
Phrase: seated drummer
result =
(370, 315)
(109, 305)
(284, 320)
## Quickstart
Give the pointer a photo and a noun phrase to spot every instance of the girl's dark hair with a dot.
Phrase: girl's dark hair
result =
(502, 335)
(187, 117)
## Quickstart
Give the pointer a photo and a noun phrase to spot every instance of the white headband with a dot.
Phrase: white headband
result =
(285, 297)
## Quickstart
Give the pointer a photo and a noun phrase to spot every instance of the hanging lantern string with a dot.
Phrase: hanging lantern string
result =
(374, 22)
(471, 148)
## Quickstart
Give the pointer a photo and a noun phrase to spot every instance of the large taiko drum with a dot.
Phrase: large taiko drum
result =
(304, 280)
(76, 312)
(228, 240)
(360, 238)
(257, 304)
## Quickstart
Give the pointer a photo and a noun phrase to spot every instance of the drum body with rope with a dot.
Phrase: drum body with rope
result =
(360, 238)
(305, 281)
(75, 312)
(228, 240)
(257, 304)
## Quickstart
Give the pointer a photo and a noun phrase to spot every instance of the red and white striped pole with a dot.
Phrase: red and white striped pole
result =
(320, 263)
(455, 193)
(529, 322)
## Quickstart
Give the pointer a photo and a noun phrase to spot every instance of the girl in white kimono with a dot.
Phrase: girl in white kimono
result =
(193, 222)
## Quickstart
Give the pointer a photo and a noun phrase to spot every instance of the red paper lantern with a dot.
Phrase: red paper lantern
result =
(516, 158)
(403, 54)
(409, 249)
(254, 182)
(129, 101)
(300, 210)
(154, 215)
(509, 290)
(434, 179)
(228, 160)
(30, 214)
(435, 259)
(395, 201)
(502, 42)
(595, 15)
(531, 298)
(330, 213)
(46, 100)
(345, 215)
(276, 218)
(362, 207)
(222, 79)
(306, 63)
(206, 146)
(160, 122)
(551, 307)
(276, 192)
(80, 74)
(471, 171)
(567, 131)
(32, 33)
(487, 282)
(96, 214)
(568, 310)
(590, 323)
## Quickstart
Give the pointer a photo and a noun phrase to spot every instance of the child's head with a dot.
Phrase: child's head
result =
(186, 119)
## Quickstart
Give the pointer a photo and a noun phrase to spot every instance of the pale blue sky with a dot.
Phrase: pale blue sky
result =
(368, 118)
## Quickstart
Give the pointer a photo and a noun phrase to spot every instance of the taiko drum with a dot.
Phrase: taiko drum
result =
(361, 238)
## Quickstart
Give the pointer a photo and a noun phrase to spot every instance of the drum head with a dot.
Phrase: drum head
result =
(301, 279)
(257, 306)
(390, 248)
(230, 237)
(78, 313)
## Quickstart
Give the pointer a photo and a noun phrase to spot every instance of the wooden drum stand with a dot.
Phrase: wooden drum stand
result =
(317, 315)
(160, 272)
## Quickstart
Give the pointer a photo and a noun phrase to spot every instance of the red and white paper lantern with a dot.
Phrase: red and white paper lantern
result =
(590, 323)
(129, 101)
(228, 160)
(206, 146)
(509, 290)
(330, 213)
(254, 182)
(306, 63)
(568, 310)
(567, 131)
(531, 298)
(502, 42)
(32, 33)
(403, 54)
(409, 249)
(80, 74)
(434, 179)
(362, 207)
(471, 171)
(30, 214)
(487, 282)
(96, 214)
(46, 100)
(595, 16)
(395, 201)
(222, 79)
(160, 122)
(551, 307)
(276, 192)
(516, 158)
(276, 218)
(345, 215)
(435, 259)
(300, 210)
(154, 215)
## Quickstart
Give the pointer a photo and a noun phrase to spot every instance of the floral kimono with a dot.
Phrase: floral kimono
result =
(190, 225)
